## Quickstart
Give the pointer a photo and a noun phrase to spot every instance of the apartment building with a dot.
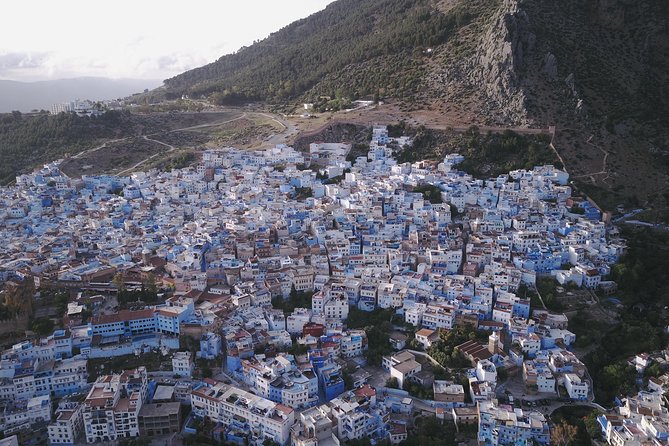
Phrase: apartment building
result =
(182, 364)
(68, 425)
(159, 418)
(243, 413)
(503, 425)
(111, 408)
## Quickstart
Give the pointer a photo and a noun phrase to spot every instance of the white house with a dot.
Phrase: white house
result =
(576, 388)
(182, 364)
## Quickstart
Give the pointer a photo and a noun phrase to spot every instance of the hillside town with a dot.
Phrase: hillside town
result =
(251, 277)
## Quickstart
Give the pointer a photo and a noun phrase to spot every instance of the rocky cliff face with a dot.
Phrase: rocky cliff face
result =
(495, 66)
(595, 69)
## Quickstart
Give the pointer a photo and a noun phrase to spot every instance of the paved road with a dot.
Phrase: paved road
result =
(289, 130)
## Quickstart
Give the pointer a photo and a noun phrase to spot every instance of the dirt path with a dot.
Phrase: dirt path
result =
(95, 149)
(290, 130)
(604, 170)
(170, 147)
(202, 126)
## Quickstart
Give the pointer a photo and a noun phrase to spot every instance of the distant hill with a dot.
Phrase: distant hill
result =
(27, 96)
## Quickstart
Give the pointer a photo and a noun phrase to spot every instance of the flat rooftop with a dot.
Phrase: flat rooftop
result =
(163, 393)
(159, 409)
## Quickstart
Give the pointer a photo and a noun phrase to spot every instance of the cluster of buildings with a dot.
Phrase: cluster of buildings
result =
(234, 233)
(502, 424)
(80, 107)
(115, 407)
(32, 375)
(642, 418)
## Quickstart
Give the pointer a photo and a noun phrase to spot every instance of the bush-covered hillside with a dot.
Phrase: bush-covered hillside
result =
(486, 154)
(293, 60)
(29, 140)
(26, 140)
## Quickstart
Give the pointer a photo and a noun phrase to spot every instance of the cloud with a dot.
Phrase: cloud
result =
(179, 62)
(168, 62)
(13, 62)
(150, 49)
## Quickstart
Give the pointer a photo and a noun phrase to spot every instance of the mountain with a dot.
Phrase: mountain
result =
(595, 70)
(388, 36)
(27, 96)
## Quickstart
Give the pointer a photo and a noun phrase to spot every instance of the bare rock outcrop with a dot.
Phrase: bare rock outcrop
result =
(495, 67)
(550, 66)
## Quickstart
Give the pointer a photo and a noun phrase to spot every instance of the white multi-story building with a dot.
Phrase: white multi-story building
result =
(353, 344)
(297, 320)
(450, 258)
(25, 412)
(530, 344)
(538, 374)
(111, 408)
(502, 425)
(164, 319)
(436, 317)
(356, 414)
(182, 364)
(401, 365)
(336, 308)
(486, 371)
(68, 425)
(210, 345)
(313, 427)
(303, 279)
(249, 415)
(577, 389)
(414, 314)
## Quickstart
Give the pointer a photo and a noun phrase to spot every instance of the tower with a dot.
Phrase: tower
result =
(494, 343)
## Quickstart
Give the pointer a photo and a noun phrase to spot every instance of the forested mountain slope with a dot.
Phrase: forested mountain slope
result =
(385, 36)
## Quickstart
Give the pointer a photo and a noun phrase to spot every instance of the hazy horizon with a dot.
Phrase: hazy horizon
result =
(133, 40)
(38, 95)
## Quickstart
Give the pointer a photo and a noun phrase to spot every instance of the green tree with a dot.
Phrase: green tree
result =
(149, 283)
(653, 370)
(431, 432)
(620, 377)
(348, 380)
(592, 426)
(42, 326)
(119, 281)
(392, 383)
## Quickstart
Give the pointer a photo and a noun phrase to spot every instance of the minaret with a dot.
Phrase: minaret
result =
(494, 345)
(146, 256)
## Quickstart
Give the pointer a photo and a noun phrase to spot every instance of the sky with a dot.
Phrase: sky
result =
(142, 39)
